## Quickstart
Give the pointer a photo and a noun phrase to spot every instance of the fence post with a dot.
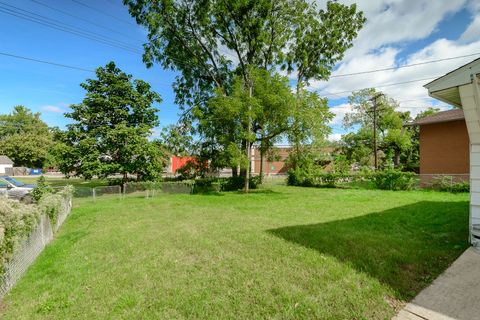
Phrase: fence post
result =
(94, 194)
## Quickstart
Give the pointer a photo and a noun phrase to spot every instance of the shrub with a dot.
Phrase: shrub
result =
(446, 183)
(330, 179)
(301, 177)
(391, 179)
(207, 185)
(238, 183)
(42, 188)
(314, 178)
(18, 220)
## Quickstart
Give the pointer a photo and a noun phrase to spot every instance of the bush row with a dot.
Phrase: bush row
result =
(200, 185)
(385, 179)
(18, 220)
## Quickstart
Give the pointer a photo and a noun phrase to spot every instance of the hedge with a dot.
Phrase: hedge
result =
(18, 220)
(386, 179)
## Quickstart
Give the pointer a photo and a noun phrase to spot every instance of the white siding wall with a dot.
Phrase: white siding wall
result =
(3, 166)
(471, 108)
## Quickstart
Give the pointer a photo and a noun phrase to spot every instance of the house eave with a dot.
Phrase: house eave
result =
(445, 88)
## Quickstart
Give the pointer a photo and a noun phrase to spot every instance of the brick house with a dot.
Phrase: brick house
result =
(444, 146)
(278, 166)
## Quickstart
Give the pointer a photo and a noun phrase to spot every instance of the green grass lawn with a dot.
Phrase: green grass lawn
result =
(287, 253)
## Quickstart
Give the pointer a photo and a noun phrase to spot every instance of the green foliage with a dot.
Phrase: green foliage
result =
(308, 124)
(263, 37)
(25, 138)
(393, 180)
(225, 120)
(111, 129)
(237, 183)
(304, 178)
(41, 188)
(341, 164)
(18, 220)
(448, 183)
(383, 179)
(207, 185)
(393, 140)
(176, 139)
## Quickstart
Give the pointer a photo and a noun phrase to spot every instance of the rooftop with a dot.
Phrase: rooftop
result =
(5, 160)
(443, 116)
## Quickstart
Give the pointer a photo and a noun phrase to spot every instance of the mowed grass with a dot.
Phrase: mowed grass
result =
(284, 253)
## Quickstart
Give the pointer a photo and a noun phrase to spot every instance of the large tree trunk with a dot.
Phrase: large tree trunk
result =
(235, 171)
(124, 182)
(396, 158)
(243, 169)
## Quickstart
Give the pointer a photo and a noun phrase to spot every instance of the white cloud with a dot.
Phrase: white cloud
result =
(54, 109)
(412, 96)
(340, 111)
(334, 137)
(397, 21)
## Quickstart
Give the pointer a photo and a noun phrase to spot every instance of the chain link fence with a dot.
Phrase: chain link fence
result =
(146, 190)
(28, 250)
(444, 182)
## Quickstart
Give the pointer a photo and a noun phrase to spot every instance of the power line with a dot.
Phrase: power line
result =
(58, 25)
(104, 13)
(56, 64)
(161, 84)
(80, 18)
(404, 66)
(51, 23)
(46, 62)
(379, 86)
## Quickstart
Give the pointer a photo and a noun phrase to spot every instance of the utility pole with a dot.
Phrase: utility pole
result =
(249, 149)
(374, 100)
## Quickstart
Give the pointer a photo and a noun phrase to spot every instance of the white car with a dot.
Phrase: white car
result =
(15, 189)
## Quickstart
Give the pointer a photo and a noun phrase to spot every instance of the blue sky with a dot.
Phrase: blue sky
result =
(397, 32)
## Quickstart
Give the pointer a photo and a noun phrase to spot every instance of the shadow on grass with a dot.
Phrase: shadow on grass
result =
(404, 247)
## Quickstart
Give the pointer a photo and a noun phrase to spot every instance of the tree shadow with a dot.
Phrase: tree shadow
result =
(404, 247)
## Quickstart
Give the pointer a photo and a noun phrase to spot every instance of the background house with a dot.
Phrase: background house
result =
(461, 88)
(6, 165)
(444, 146)
(277, 165)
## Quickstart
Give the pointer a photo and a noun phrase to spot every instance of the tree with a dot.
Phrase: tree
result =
(176, 140)
(25, 138)
(192, 37)
(308, 126)
(393, 139)
(111, 129)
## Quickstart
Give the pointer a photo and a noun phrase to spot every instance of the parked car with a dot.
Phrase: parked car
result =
(15, 189)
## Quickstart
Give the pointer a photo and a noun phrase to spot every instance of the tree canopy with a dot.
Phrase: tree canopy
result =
(25, 138)
(397, 144)
(111, 128)
(219, 46)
